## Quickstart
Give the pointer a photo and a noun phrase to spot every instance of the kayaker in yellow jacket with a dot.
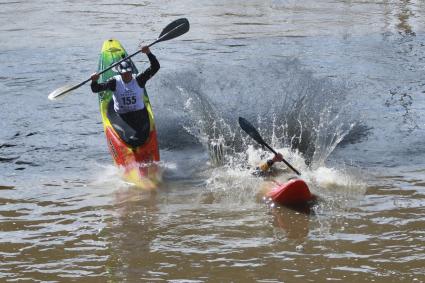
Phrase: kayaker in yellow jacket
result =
(266, 167)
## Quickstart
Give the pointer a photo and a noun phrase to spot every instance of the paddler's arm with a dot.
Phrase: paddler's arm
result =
(269, 163)
(143, 77)
(98, 87)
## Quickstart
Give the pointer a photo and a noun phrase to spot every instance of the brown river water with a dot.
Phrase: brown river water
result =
(339, 82)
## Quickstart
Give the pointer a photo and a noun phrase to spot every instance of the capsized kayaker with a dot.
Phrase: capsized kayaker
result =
(265, 168)
(127, 97)
(293, 192)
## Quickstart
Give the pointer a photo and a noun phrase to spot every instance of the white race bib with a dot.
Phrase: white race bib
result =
(127, 97)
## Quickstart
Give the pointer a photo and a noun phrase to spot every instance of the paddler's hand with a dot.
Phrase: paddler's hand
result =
(94, 77)
(277, 158)
(145, 49)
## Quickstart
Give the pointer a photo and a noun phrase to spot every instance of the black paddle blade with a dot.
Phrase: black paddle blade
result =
(174, 29)
(250, 130)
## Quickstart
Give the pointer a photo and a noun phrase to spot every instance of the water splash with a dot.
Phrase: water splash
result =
(303, 117)
(290, 107)
(107, 176)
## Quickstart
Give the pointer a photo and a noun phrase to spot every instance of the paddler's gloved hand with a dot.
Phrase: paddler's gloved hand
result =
(94, 77)
(277, 158)
(145, 49)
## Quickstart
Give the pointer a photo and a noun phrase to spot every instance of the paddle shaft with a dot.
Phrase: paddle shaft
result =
(116, 63)
(135, 53)
(283, 160)
(173, 30)
(253, 133)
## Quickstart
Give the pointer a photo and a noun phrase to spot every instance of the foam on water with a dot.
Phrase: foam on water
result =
(234, 181)
(108, 175)
(111, 176)
(335, 178)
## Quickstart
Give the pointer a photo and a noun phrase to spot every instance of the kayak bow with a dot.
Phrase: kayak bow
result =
(293, 192)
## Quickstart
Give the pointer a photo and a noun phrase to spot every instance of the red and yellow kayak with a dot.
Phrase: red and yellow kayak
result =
(139, 162)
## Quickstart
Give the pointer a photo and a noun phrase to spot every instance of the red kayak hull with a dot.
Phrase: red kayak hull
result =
(140, 163)
(293, 192)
